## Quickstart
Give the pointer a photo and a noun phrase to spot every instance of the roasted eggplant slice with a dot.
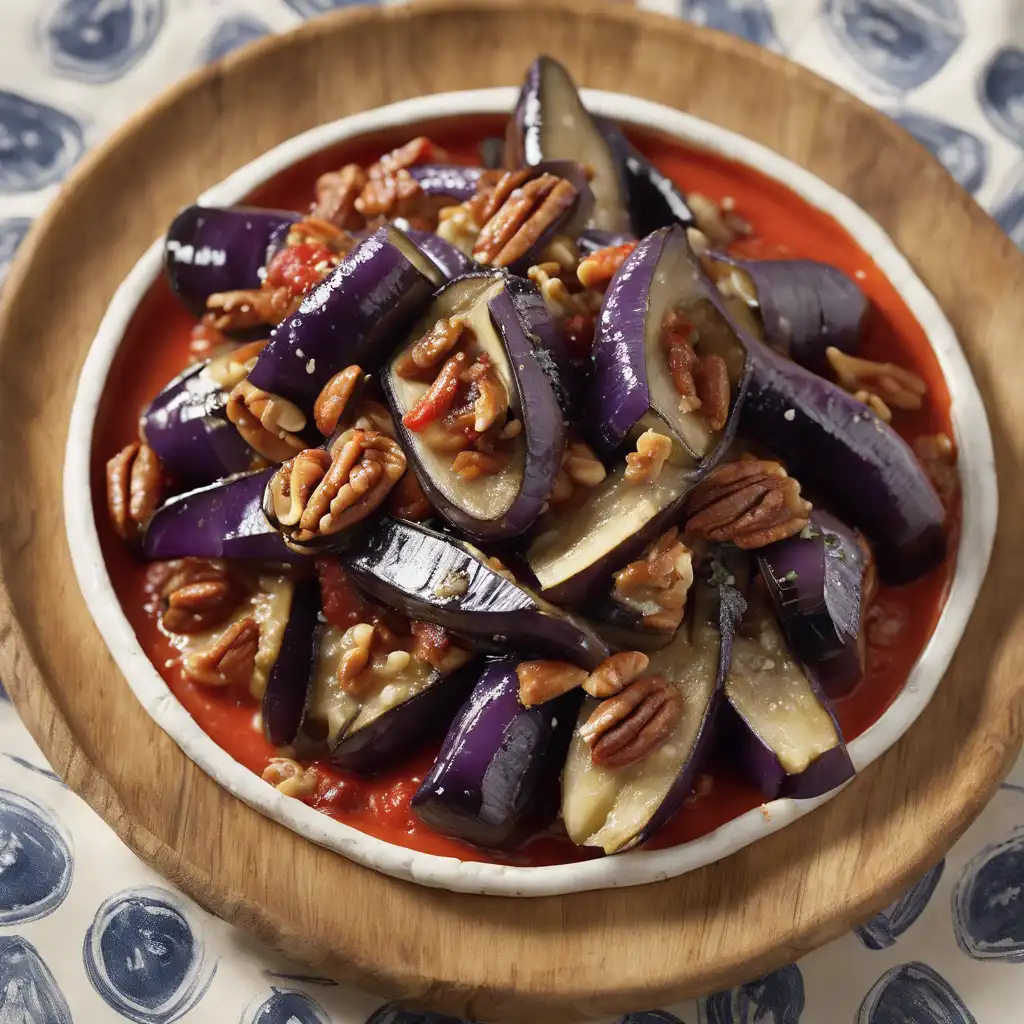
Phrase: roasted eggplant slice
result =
(290, 679)
(801, 307)
(187, 425)
(816, 582)
(433, 577)
(211, 249)
(866, 472)
(661, 316)
(449, 260)
(496, 778)
(551, 123)
(475, 396)
(785, 737)
(457, 183)
(619, 808)
(354, 317)
(222, 520)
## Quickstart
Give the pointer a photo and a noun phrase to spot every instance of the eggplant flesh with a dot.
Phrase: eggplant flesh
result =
(433, 577)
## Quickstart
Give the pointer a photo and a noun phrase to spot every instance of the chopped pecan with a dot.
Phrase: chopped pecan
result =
(752, 502)
(491, 398)
(420, 150)
(631, 725)
(558, 293)
(336, 195)
(291, 778)
(701, 381)
(473, 464)
(598, 269)
(249, 307)
(720, 223)
(204, 340)
(230, 661)
(316, 230)
(426, 353)
(397, 194)
(492, 190)
(371, 415)
(336, 394)
(319, 493)
(439, 396)
(407, 500)
(431, 642)
(199, 595)
(134, 488)
(580, 468)
(358, 640)
(269, 423)
(644, 466)
(614, 674)
(522, 219)
(881, 386)
(541, 681)
(658, 583)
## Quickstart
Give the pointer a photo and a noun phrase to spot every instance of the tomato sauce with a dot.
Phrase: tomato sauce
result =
(156, 349)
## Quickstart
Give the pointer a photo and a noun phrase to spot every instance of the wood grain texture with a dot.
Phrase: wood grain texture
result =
(537, 960)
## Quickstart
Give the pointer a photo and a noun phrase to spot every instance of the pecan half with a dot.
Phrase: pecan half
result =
(644, 466)
(134, 488)
(581, 468)
(541, 681)
(529, 211)
(319, 493)
(336, 195)
(230, 661)
(490, 399)
(631, 725)
(470, 465)
(425, 354)
(702, 382)
(249, 307)
(359, 641)
(431, 642)
(291, 778)
(269, 423)
(752, 502)
(658, 583)
(880, 386)
(330, 404)
(614, 674)
(199, 595)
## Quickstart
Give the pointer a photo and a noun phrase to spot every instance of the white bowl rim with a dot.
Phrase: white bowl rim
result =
(976, 468)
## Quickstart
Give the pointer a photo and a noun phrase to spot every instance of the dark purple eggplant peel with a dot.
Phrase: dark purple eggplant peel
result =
(630, 391)
(212, 249)
(616, 809)
(449, 260)
(434, 577)
(495, 780)
(839, 448)
(815, 581)
(513, 327)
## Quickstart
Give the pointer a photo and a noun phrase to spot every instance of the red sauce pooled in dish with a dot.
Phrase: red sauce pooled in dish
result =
(156, 349)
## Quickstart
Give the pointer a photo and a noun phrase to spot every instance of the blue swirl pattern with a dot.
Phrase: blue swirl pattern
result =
(286, 1006)
(749, 19)
(898, 44)
(889, 924)
(28, 992)
(652, 1017)
(99, 40)
(12, 234)
(38, 143)
(231, 34)
(988, 902)
(963, 154)
(777, 998)
(392, 1013)
(144, 959)
(311, 8)
(1002, 92)
(913, 994)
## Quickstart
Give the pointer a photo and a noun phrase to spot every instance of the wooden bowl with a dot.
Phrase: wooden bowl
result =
(552, 958)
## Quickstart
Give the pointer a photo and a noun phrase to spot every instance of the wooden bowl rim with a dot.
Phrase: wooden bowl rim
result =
(976, 467)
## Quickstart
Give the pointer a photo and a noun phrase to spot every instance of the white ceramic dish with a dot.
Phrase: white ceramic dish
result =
(977, 472)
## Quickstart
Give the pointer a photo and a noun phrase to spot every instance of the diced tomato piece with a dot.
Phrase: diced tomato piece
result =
(439, 397)
(343, 605)
(300, 267)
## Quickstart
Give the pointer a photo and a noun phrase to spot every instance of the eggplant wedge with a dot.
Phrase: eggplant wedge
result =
(448, 259)
(816, 581)
(290, 679)
(187, 425)
(434, 577)
(616, 809)
(495, 780)
(863, 469)
(222, 520)
(800, 307)
(785, 736)
(486, 450)
(213, 249)
(354, 317)
(659, 291)
(551, 123)
(447, 180)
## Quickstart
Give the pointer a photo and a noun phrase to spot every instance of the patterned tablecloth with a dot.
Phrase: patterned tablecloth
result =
(89, 933)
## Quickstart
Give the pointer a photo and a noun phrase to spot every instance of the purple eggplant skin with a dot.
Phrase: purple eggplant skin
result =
(355, 316)
(222, 520)
(805, 307)
(533, 350)
(187, 427)
(491, 152)
(815, 582)
(551, 123)
(451, 261)
(434, 577)
(495, 780)
(458, 183)
(590, 240)
(863, 469)
(213, 249)
(291, 675)
(405, 728)
(652, 198)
